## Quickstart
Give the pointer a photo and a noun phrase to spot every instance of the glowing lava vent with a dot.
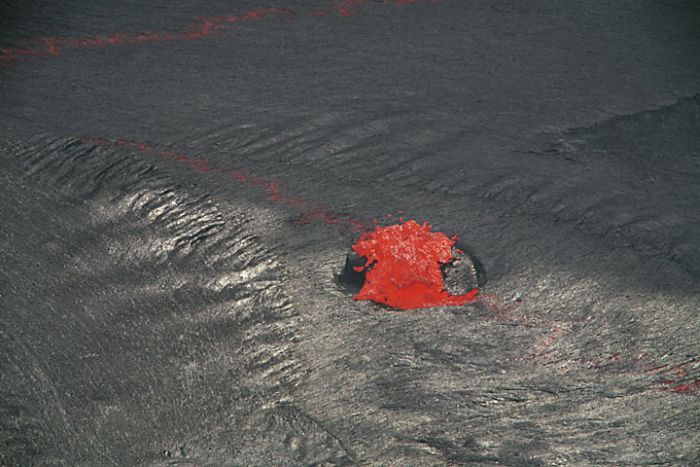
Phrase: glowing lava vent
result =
(408, 266)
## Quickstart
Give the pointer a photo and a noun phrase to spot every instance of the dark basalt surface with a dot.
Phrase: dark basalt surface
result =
(465, 272)
(179, 190)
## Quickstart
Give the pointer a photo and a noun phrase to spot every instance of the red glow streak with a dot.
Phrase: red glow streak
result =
(310, 212)
(348, 7)
(202, 27)
(686, 387)
(679, 373)
(403, 267)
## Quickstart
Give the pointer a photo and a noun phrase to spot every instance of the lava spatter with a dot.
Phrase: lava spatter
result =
(404, 267)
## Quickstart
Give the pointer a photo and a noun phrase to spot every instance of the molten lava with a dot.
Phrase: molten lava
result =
(403, 267)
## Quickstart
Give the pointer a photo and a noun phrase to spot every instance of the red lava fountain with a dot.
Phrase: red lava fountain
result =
(403, 268)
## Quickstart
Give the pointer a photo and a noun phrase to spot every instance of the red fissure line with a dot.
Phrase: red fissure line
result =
(310, 212)
(406, 257)
(202, 27)
(678, 375)
(678, 378)
(683, 387)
